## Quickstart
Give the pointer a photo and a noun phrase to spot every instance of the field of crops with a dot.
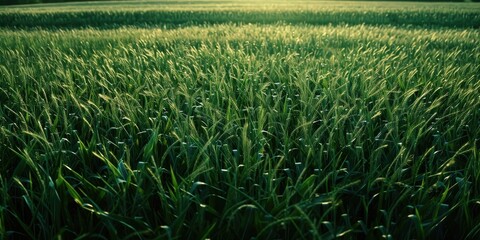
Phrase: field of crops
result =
(172, 14)
(236, 120)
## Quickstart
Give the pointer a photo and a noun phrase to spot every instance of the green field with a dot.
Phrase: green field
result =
(173, 14)
(238, 120)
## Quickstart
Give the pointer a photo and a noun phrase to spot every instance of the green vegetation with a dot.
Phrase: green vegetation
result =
(168, 14)
(225, 129)
(10, 2)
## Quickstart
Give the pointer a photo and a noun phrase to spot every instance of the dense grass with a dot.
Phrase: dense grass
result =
(240, 130)
(188, 13)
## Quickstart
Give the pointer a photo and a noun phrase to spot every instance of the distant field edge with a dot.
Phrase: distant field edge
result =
(174, 18)
(22, 2)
